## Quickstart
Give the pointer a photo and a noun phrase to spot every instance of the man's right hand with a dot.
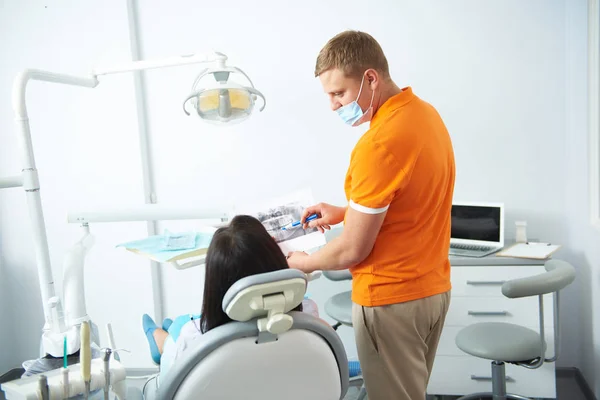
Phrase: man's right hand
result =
(328, 215)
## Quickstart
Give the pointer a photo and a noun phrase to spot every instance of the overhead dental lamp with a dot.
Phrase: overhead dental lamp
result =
(222, 101)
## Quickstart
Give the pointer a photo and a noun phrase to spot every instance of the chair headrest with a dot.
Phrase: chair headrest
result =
(267, 296)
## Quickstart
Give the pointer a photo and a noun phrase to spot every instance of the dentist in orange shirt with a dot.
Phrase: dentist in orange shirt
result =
(399, 187)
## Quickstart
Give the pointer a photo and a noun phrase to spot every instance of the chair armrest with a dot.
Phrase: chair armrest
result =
(558, 275)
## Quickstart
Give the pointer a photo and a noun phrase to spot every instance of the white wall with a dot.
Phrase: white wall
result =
(495, 71)
(583, 301)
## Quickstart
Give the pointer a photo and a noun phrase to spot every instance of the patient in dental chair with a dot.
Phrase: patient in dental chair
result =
(239, 250)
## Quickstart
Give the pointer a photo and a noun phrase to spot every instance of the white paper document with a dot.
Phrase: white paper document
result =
(282, 211)
(540, 251)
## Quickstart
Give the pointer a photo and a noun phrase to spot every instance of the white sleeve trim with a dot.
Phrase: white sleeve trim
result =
(367, 210)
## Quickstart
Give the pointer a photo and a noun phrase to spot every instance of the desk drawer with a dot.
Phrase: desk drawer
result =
(465, 311)
(464, 375)
(447, 345)
(487, 281)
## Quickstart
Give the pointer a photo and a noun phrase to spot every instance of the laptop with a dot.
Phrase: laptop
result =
(477, 229)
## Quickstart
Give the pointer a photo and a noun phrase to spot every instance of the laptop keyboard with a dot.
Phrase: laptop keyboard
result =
(469, 247)
(469, 250)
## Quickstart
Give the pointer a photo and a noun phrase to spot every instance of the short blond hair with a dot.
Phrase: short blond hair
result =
(353, 52)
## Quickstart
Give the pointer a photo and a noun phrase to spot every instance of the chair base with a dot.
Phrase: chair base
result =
(362, 394)
(358, 380)
(498, 386)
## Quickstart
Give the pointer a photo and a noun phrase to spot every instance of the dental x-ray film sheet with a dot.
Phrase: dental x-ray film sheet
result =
(283, 211)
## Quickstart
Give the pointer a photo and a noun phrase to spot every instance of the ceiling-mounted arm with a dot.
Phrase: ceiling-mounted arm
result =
(20, 85)
(162, 63)
(30, 181)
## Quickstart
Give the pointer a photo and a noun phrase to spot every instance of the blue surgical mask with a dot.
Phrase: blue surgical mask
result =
(352, 114)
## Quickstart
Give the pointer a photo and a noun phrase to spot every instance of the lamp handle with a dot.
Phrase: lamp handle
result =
(258, 93)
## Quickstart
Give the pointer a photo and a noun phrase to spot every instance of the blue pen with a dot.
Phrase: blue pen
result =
(298, 223)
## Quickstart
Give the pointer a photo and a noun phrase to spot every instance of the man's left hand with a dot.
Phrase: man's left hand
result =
(297, 260)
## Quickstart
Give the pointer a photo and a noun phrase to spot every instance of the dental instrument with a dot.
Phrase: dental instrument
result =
(43, 381)
(65, 382)
(299, 223)
(85, 357)
(111, 341)
(65, 371)
(28, 388)
(106, 372)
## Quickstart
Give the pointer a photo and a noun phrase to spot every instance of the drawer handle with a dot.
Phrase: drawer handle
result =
(489, 378)
(475, 283)
(488, 313)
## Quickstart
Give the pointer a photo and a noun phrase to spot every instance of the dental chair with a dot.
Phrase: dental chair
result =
(509, 343)
(267, 352)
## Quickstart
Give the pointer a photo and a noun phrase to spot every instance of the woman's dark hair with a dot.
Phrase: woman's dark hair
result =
(241, 249)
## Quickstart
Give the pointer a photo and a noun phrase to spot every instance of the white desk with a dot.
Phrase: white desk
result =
(476, 297)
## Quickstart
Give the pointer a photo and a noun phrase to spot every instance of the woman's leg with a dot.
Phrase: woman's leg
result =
(160, 335)
(156, 337)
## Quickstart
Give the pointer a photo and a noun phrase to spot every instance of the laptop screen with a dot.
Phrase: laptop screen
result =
(474, 222)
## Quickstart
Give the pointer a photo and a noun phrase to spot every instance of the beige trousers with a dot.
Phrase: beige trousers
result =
(397, 345)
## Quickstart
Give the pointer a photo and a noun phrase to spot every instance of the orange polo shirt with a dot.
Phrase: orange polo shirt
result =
(404, 164)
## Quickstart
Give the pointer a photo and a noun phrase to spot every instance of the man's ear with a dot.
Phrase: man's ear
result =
(372, 78)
